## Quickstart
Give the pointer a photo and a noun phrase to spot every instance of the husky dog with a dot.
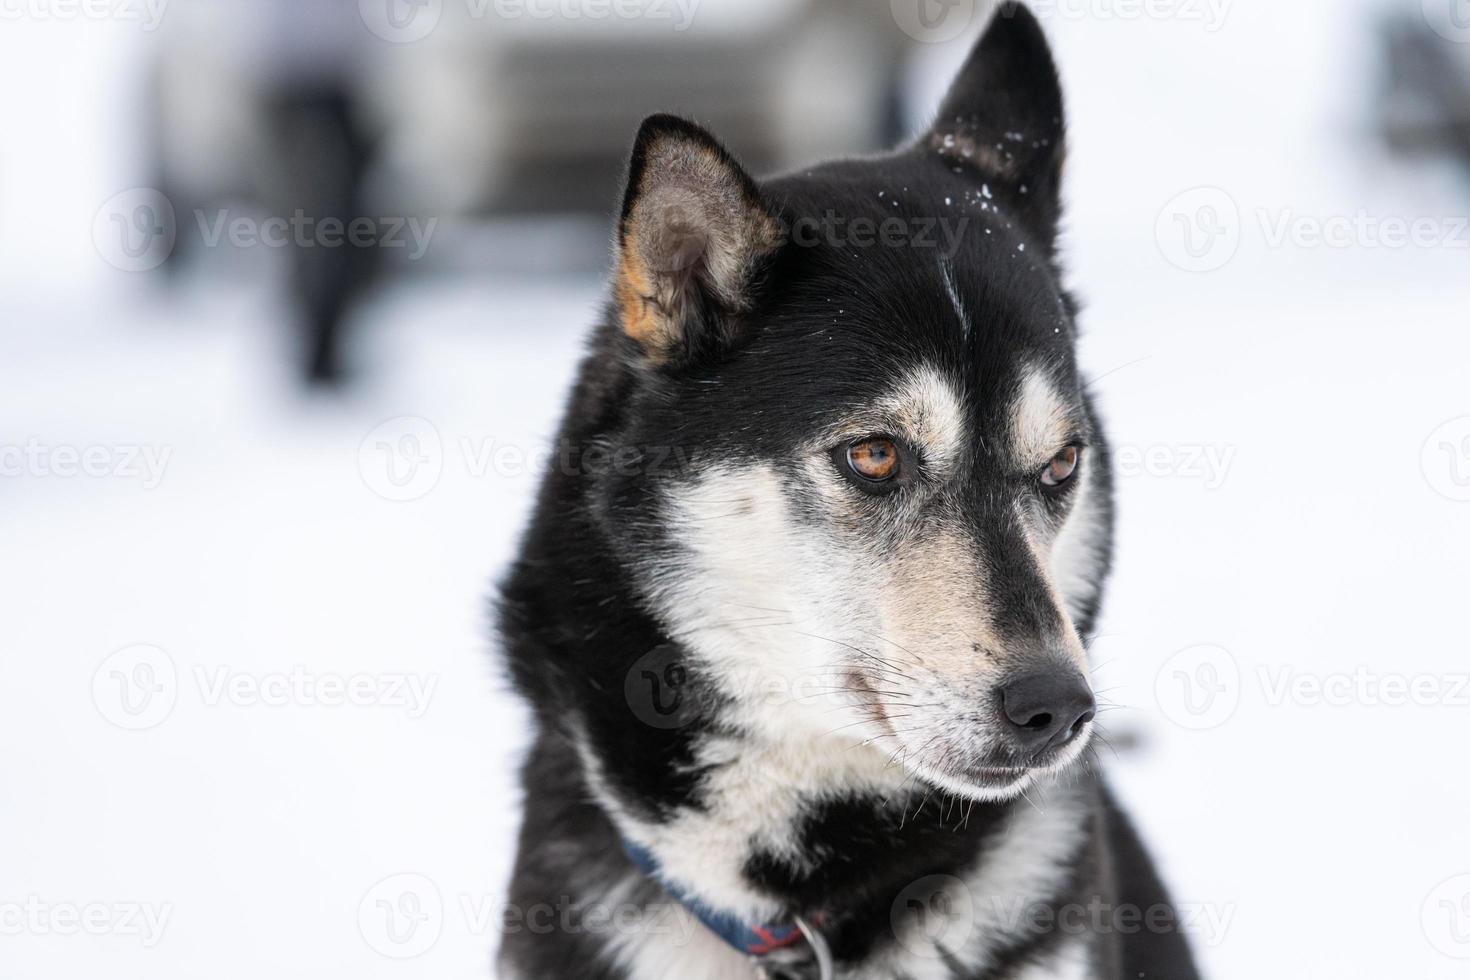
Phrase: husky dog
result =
(801, 612)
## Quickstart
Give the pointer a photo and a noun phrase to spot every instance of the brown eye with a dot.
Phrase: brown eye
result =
(874, 459)
(1061, 468)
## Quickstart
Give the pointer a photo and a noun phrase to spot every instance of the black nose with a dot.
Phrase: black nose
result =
(1046, 709)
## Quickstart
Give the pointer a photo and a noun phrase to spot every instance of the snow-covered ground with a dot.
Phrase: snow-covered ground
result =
(1285, 629)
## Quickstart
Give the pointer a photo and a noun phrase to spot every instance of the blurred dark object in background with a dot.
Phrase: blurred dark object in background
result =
(289, 106)
(1426, 104)
(806, 80)
(321, 159)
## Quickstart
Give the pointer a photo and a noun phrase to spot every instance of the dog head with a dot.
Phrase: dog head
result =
(893, 503)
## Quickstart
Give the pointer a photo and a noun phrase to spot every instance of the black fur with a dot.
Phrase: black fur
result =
(816, 325)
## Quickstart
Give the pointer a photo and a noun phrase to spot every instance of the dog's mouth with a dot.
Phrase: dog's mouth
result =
(971, 758)
(999, 777)
(993, 783)
(954, 766)
(988, 782)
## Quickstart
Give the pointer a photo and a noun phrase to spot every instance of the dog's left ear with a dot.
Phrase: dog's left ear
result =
(692, 240)
(1003, 117)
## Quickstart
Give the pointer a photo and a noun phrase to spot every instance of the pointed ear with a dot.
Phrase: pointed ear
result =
(1003, 115)
(693, 238)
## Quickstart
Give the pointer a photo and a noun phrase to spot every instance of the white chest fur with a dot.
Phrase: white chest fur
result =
(759, 796)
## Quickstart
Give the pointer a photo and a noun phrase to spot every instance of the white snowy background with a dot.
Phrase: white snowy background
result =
(1327, 542)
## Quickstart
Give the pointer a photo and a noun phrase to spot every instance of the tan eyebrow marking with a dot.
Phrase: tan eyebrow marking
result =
(929, 410)
(1042, 420)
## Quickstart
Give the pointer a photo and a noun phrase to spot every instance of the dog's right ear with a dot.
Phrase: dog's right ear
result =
(1002, 120)
(693, 237)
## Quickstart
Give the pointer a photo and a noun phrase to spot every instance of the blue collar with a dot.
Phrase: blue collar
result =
(754, 940)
